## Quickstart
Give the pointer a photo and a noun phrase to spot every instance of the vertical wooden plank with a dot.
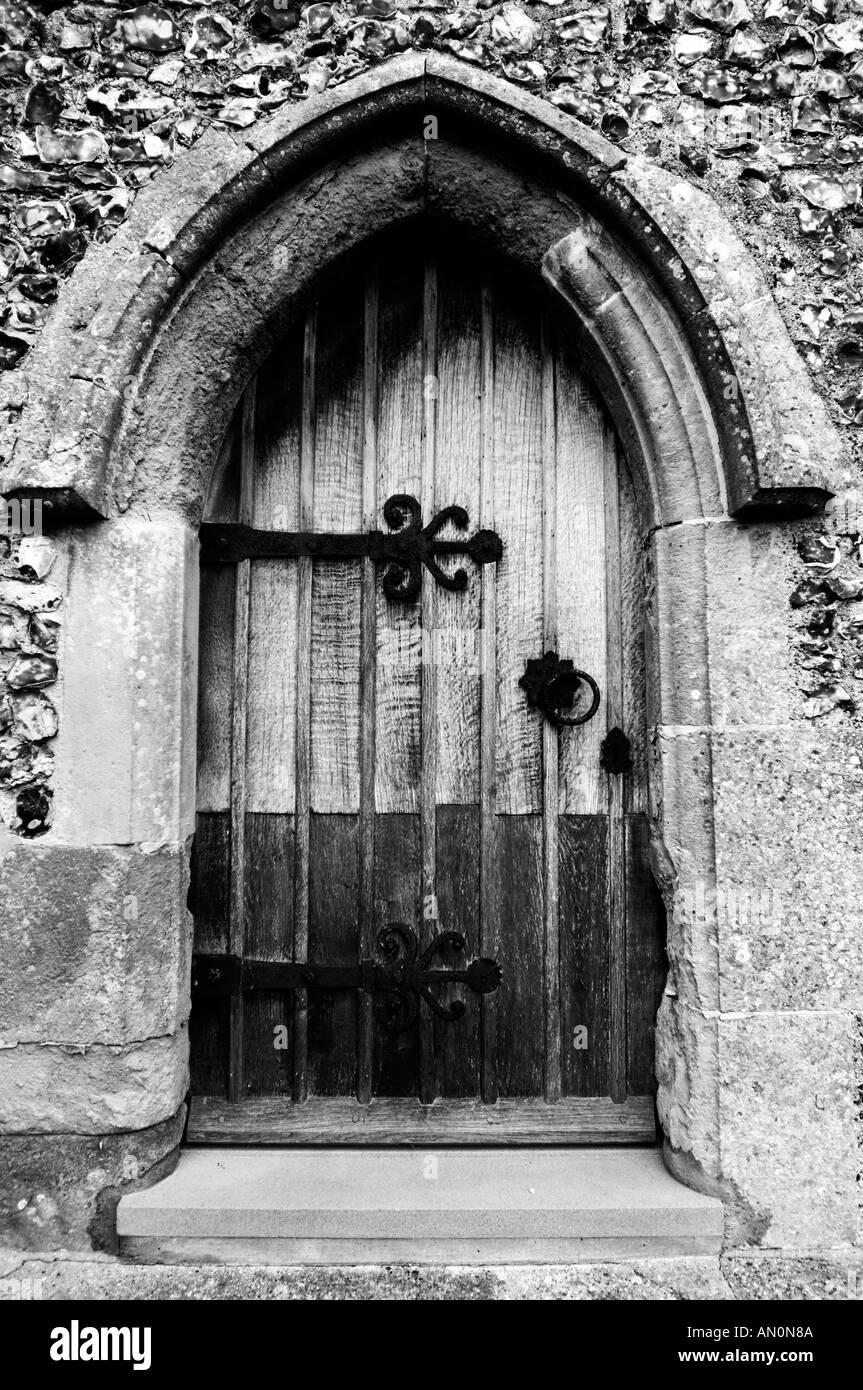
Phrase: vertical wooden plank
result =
(303, 734)
(333, 929)
(518, 471)
(271, 719)
(215, 676)
(489, 923)
(397, 878)
(238, 747)
(633, 605)
(585, 1025)
(333, 889)
(368, 679)
(209, 900)
(272, 694)
(581, 580)
(268, 884)
(457, 1051)
(428, 708)
(399, 629)
(520, 1034)
(335, 686)
(210, 886)
(338, 471)
(277, 435)
(616, 785)
(550, 792)
(586, 887)
(210, 881)
(452, 648)
(647, 963)
(452, 644)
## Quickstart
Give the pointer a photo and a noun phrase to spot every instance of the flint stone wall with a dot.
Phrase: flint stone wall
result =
(759, 1037)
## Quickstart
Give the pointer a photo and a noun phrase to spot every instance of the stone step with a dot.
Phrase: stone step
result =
(441, 1206)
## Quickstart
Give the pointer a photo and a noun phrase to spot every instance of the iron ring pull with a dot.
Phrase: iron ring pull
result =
(551, 683)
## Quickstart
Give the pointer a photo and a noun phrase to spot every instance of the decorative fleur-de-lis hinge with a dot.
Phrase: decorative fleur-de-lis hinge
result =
(411, 975)
(408, 976)
(404, 549)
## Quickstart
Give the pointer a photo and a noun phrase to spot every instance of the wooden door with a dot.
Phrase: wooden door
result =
(365, 760)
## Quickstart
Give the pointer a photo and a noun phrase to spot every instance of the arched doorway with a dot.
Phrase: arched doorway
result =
(140, 371)
(369, 756)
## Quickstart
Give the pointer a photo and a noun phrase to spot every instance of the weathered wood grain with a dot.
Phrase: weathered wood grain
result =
(646, 961)
(617, 785)
(520, 1042)
(208, 1047)
(581, 577)
(210, 903)
(278, 398)
(399, 630)
(397, 883)
(584, 955)
(215, 679)
(239, 712)
(490, 943)
(405, 1121)
(335, 688)
(550, 735)
(632, 619)
(368, 682)
(429, 706)
(269, 876)
(333, 939)
(452, 642)
(268, 884)
(457, 1049)
(274, 487)
(304, 688)
(339, 420)
(336, 592)
(210, 881)
(271, 716)
(391, 769)
(518, 520)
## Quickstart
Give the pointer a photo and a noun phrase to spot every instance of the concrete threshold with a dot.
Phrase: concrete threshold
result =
(409, 1206)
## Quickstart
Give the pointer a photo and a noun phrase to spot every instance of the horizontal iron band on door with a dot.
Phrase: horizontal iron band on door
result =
(215, 975)
(405, 549)
(408, 976)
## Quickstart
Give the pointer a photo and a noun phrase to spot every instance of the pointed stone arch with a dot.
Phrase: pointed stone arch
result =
(674, 319)
(122, 406)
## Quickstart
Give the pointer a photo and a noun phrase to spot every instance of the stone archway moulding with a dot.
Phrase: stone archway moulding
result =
(676, 323)
(121, 410)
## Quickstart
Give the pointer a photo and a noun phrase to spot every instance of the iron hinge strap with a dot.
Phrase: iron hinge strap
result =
(407, 975)
(215, 975)
(404, 549)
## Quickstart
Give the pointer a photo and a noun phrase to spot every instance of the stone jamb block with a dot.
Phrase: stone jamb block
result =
(126, 747)
(51, 1089)
(95, 942)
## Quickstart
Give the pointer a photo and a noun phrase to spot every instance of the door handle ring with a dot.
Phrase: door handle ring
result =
(551, 684)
